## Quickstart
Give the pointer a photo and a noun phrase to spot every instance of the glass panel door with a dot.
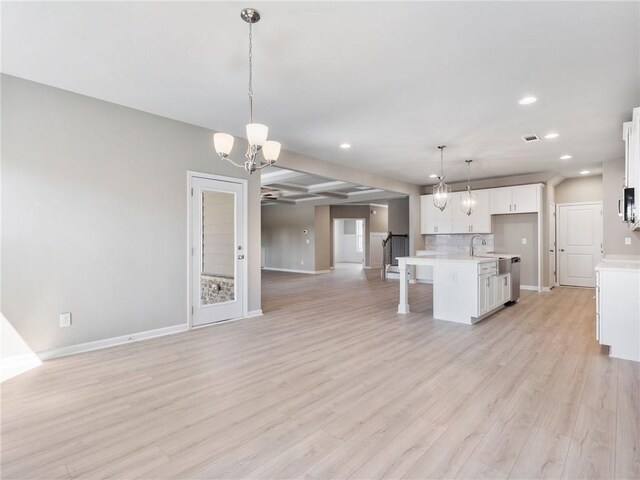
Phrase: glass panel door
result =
(217, 255)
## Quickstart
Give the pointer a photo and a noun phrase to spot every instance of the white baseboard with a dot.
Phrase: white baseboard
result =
(291, 270)
(254, 313)
(17, 364)
(111, 342)
(529, 287)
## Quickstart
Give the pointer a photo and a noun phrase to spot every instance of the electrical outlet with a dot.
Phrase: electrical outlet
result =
(65, 319)
(524, 241)
(627, 240)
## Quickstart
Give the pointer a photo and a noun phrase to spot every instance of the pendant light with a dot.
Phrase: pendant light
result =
(256, 132)
(441, 191)
(468, 199)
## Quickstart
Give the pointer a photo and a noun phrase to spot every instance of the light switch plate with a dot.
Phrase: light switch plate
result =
(627, 240)
(524, 241)
(65, 319)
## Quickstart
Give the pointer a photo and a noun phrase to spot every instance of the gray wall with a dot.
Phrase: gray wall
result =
(399, 216)
(283, 236)
(580, 189)
(509, 230)
(379, 220)
(615, 230)
(94, 202)
(323, 240)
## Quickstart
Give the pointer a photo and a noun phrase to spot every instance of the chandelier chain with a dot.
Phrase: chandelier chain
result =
(250, 73)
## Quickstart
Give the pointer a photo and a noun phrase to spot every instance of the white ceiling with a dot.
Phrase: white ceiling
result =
(393, 79)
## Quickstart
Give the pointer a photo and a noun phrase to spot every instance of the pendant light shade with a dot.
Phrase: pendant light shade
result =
(271, 150)
(223, 143)
(441, 191)
(257, 133)
(468, 198)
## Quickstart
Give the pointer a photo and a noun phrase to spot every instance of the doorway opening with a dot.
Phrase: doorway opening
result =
(579, 231)
(349, 242)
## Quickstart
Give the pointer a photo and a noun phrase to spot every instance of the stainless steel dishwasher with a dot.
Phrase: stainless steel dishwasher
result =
(512, 266)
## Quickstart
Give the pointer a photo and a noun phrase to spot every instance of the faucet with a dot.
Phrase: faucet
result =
(471, 249)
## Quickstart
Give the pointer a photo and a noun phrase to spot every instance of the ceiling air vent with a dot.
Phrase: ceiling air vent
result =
(531, 138)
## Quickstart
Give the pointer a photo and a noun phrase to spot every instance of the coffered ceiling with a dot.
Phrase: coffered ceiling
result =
(393, 79)
(280, 185)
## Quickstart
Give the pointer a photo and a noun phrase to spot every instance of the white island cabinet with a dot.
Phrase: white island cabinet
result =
(618, 307)
(465, 289)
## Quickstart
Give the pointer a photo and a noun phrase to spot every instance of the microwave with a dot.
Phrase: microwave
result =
(629, 212)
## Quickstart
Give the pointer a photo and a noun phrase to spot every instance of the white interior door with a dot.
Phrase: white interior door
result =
(579, 243)
(552, 245)
(217, 254)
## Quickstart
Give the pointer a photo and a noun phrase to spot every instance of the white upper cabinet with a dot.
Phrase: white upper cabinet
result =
(525, 198)
(500, 201)
(479, 221)
(493, 201)
(520, 199)
(432, 220)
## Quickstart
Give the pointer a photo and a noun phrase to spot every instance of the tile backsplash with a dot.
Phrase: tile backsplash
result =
(457, 243)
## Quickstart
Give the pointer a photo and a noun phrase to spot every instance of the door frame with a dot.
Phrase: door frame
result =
(245, 264)
(364, 239)
(557, 215)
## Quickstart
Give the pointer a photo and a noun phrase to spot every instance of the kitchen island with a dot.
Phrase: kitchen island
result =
(466, 289)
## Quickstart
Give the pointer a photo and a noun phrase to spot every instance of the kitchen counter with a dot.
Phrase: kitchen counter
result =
(431, 258)
(466, 289)
(617, 265)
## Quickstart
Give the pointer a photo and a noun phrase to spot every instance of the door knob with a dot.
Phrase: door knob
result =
(240, 257)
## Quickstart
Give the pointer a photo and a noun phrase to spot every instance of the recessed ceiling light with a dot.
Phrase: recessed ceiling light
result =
(549, 136)
(585, 172)
(345, 146)
(433, 175)
(527, 100)
(565, 157)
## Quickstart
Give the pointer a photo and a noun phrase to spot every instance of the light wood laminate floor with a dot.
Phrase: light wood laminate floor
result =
(332, 383)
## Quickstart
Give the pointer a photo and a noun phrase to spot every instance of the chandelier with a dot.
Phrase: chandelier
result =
(468, 199)
(441, 191)
(256, 132)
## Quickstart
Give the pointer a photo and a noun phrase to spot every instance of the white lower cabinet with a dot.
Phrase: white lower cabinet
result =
(493, 292)
(618, 309)
(466, 292)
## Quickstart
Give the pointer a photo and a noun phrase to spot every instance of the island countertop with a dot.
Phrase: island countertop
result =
(451, 257)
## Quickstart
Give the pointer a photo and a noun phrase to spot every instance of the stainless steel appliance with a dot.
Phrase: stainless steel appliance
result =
(512, 266)
(629, 212)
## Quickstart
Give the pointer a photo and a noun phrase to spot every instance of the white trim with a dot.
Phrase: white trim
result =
(529, 287)
(17, 364)
(254, 313)
(291, 270)
(245, 240)
(112, 342)
(546, 289)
